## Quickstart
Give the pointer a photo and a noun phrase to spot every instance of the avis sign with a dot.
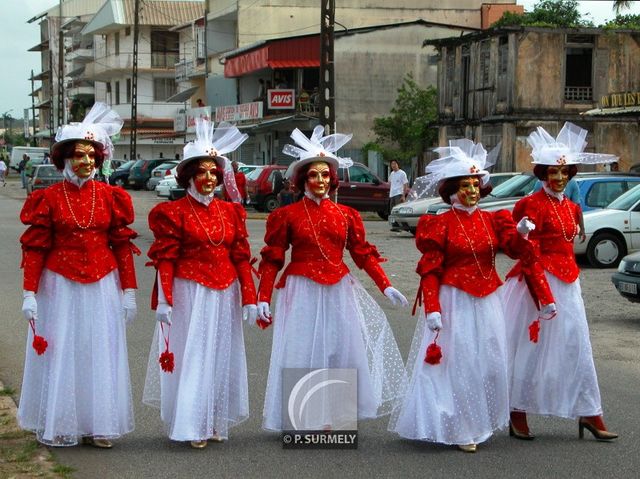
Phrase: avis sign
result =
(281, 99)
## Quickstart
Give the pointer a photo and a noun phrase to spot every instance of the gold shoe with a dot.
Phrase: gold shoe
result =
(99, 443)
(468, 447)
(198, 444)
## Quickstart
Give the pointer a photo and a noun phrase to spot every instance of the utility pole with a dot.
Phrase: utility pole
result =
(51, 125)
(33, 110)
(61, 105)
(134, 83)
(327, 85)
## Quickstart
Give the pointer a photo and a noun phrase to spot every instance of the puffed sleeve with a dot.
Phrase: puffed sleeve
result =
(529, 267)
(273, 254)
(37, 239)
(240, 255)
(165, 223)
(509, 240)
(431, 236)
(121, 236)
(364, 254)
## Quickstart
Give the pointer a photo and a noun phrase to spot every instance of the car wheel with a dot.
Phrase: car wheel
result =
(270, 203)
(148, 186)
(384, 215)
(119, 182)
(605, 250)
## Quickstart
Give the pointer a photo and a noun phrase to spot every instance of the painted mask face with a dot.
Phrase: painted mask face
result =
(469, 190)
(557, 178)
(205, 180)
(319, 178)
(83, 159)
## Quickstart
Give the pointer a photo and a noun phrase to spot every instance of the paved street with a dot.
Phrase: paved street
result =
(251, 452)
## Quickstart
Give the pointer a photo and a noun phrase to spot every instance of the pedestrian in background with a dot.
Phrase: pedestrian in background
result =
(22, 170)
(286, 195)
(47, 159)
(399, 186)
(3, 172)
(241, 183)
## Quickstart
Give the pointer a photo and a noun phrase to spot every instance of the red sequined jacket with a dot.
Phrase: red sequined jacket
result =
(183, 249)
(455, 243)
(56, 241)
(556, 226)
(318, 235)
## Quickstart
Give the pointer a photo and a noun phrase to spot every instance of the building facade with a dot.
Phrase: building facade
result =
(499, 85)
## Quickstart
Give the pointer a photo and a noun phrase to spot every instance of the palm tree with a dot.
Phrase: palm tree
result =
(619, 5)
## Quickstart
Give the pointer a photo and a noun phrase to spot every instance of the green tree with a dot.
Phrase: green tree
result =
(407, 131)
(619, 5)
(547, 13)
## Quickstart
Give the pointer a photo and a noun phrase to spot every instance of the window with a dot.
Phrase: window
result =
(117, 93)
(604, 192)
(165, 49)
(116, 43)
(108, 96)
(579, 68)
(163, 88)
(357, 174)
(450, 71)
(128, 90)
(341, 173)
(127, 31)
(503, 66)
(485, 54)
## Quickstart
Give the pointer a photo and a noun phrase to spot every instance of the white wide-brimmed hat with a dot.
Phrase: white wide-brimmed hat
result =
(461, 158)
(566, 149)
(213, 144)
(316, 148)
(98, 126)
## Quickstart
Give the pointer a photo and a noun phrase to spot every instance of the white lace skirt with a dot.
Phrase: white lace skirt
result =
(80, 386)
(463, 399)
(207, 393)
(337, 326)
(555, 376)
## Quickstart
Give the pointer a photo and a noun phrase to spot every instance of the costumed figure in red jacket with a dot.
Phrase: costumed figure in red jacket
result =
(197, 373)
(79, 289)
(323, 317)
(551, 363)
(458, 393)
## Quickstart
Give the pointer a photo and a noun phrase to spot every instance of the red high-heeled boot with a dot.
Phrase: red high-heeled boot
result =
(518, 426)
(595, 425)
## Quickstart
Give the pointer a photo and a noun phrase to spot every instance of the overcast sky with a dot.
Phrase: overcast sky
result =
(17, 36)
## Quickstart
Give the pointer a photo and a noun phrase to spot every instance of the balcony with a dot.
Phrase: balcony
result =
(164, 60)
(77, 88)
(578, 93)
(156, 111)
(105, 67)
(187, 69)
(80, 55)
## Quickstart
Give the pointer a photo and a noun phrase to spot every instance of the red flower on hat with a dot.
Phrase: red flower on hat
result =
(321, 154)
(434, 352)
(89, 136)
(534, 331)
(562, 160)
(474, 169)
(211, 152)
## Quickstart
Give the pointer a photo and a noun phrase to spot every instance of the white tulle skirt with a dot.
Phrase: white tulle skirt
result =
(556, 376)
(337, 326)
(464, 399)
(207, 393)
(80, 386)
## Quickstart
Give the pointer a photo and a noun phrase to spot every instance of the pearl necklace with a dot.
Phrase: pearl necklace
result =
(93, 205)
(202, 226)
(346, 236)
(575, 226)
(475, 256)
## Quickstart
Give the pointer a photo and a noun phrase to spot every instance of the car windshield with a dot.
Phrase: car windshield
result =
(126, 165)
(520, 185)
(627, 200)
(48, 172)
(255, 174)
(138, 163)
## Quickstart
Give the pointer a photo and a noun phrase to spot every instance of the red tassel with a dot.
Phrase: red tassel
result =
(262, 324)
(166, 359)
(434, 352)
(534, 331)
(39, 343)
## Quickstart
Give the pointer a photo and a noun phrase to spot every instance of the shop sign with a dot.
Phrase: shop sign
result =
(617, 100)
(244, 111)
(194, 113)
(281, 99)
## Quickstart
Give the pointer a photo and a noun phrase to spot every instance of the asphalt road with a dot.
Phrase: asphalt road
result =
(251, 452)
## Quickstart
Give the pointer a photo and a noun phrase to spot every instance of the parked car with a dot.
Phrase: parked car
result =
(405, 216)
(612, 232)
(173, 191)
(164, 186)
(160, 172)
(43, 177)
(263, 185)
(361, 189)
(141, 172)
(627, 279)
(121, 175)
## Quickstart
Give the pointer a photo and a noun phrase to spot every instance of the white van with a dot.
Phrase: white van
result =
(35, 153)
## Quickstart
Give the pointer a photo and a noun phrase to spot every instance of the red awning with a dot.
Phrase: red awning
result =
(290, 53)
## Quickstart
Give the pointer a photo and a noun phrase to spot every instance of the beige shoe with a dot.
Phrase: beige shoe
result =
(198, 444)
(216, 438)
(99, 443)
(468, 447)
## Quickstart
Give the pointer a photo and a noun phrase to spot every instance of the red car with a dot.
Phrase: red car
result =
(359, 188)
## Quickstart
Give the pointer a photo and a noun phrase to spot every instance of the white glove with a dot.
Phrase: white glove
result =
(29, 305)
(395, 296)
(263, 311)
(129, 305)
(250, 313)
(525, 226)
(434, 321)
(548, 311)
(163, 313)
